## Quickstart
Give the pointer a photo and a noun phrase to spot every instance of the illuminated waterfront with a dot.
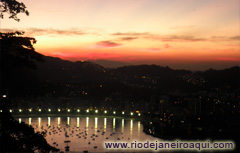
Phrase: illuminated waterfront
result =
(87, 133)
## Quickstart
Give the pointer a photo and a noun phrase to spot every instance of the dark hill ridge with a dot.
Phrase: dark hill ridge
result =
(109, 64)
(149, 70)
(228, 78)
(57, 73)
(55, 69)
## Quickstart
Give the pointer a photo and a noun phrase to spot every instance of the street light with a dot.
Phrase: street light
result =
(39, 110)
(114, 112)
(132, 113)
(123, 112)
(105, 112)
(10, 111)
(20, 110)
(87, 110)
(59, 110)
(49, 110)
(96, 111)
(30, 110)
(139, 114)
(69, 110)
(78, 110)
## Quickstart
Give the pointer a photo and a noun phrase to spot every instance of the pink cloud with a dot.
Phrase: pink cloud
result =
(107, 44)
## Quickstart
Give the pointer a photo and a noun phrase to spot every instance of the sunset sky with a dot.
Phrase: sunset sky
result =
(191, 34)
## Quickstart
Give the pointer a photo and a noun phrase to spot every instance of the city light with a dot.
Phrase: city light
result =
(96, 111)
(30, 110)
(20, 110)
(69, 110)
(10, 111)
(49, 110)
(123, 112)
(59, 110)
(78, 110)
(1, 111)
(139, 114)
(105, 112)
(39, 110)
(4, 96)
(87, 110)
(132, 113)
(114, 112)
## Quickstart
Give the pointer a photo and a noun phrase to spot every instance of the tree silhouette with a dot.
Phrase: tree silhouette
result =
(12, 7)
(20, 137)
(17, 51)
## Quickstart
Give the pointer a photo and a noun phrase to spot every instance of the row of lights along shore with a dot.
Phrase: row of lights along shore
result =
(78, 110)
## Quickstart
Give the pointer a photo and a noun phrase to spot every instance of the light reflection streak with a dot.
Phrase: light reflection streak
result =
(78, 122)
(29, 120)
(139, 127)
(49, 121)
(122, 125)
(59, 121)
(20, 120)
(39, 122)
(114, 123)
(96, 124)
(68, 121)
(105, 124)
(87, 122)
(131, 127)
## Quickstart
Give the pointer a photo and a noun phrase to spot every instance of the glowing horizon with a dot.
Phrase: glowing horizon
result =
(136, 31)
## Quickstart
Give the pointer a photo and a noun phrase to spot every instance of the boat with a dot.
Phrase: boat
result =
(67, 141)
(67, 148)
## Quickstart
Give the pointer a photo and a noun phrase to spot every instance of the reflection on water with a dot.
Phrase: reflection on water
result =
(59, 122)
(68, 121)
(105, 124)
(77, 122)
(96, 124)
(114, 122)
(131, 127)
(49, 121)
(122, 125)
(88, 133)
(39, 121)
(30, 120)
(139, 127)
(87, 122)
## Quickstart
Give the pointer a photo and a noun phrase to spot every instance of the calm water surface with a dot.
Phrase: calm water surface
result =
(88, 133)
